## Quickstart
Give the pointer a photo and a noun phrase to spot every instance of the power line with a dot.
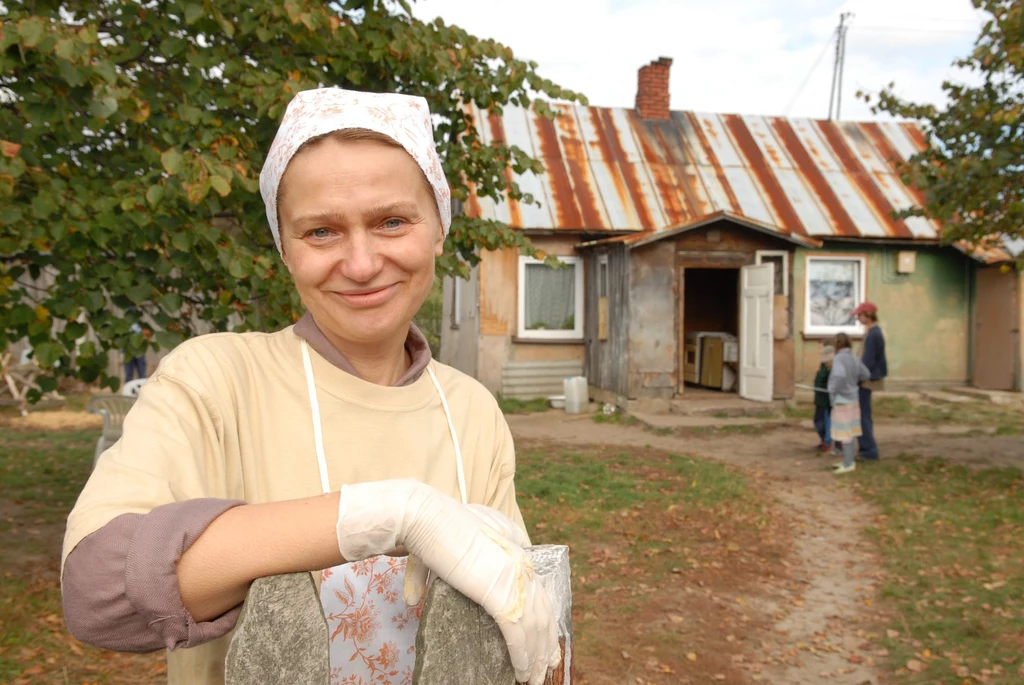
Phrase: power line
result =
(810, 73)
(898, 29)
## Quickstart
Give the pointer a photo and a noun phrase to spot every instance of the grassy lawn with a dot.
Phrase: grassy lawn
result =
(953, 539)
(1004, 420)
(41, 473)
(665, 549)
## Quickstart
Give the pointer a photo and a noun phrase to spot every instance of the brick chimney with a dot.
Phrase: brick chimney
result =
(652, 89)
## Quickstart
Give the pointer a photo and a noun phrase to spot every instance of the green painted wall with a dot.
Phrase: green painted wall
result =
(925, 315)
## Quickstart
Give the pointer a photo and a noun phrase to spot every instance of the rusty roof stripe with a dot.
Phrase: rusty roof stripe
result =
(668, 188)
(775, 195)
(619, 206)
(701, 141)
(864, 182)
(639, 159)
(915, 134)
(627, 171)
(563, 197)
(690, 193)
(497, 128)
(585, 193)
(890, 154)
(840, 219)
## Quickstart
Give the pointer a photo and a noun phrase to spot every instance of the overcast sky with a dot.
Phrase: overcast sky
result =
(736, 56)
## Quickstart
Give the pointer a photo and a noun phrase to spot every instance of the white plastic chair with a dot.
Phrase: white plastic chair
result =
(113, 409)
(131, 388)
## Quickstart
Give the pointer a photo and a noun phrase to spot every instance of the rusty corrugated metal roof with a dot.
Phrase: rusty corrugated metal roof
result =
(609, 170)
(989, 253)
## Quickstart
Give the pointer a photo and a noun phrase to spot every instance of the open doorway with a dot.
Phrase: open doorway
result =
(710, 329)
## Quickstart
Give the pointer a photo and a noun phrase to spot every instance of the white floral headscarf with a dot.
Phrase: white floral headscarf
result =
(311, 113)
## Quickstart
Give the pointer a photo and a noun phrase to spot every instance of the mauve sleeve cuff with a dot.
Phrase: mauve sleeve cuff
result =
(120, 583)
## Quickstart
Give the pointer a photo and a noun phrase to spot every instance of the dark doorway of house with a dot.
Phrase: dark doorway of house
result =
(711, 323)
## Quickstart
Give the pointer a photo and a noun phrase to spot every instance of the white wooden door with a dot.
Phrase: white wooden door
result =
(757, 286)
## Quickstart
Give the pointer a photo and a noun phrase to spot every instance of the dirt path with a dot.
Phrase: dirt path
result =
(819, 612)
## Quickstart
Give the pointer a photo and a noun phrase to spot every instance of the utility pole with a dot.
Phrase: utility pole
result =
(835, 97)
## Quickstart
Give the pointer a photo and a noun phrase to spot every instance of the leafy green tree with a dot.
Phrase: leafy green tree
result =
(132, 133)
(972, 175)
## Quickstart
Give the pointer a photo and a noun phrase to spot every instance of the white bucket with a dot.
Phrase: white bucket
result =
(577, 394)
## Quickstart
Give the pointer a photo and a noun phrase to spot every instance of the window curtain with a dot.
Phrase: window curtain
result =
(550, 298)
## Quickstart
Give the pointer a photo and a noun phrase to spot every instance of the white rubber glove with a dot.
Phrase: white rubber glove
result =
(380, 517)
(414, 585)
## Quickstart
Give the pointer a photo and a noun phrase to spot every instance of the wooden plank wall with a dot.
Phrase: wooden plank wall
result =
(607, 360)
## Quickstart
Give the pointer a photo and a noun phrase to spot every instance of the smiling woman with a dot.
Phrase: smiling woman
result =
(335, 446)
(360, 242)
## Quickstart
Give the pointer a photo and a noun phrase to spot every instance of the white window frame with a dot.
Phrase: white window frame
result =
(785, 265)
(577, 332)
(856, 329)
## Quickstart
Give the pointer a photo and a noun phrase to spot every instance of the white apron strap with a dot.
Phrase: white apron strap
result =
(459, 469)
(318, 434)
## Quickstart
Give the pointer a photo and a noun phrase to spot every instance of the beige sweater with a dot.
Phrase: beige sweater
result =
(227, 416)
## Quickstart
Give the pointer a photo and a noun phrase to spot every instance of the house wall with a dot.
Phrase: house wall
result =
(925, 315)
(459, 341)
(607, 360)
(498, 274)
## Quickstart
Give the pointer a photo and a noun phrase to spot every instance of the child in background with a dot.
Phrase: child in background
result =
(848, 373)
(822, 402)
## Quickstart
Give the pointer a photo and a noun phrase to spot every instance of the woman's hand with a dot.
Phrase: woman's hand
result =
(465, 551)
(415, 583)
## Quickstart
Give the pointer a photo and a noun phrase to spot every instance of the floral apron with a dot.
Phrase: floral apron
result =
(372, 630)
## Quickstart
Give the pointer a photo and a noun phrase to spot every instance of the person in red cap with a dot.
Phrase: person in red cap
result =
(873, 357)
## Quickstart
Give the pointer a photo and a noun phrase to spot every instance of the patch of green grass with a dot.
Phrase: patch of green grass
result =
(1006, 420)
(800, 412)
(951, 537)
(45, 470)
(512, 405)
(592, 485)
(617, 418)
(623, 419)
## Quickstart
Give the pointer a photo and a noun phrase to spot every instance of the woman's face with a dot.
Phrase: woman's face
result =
(359, 234)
